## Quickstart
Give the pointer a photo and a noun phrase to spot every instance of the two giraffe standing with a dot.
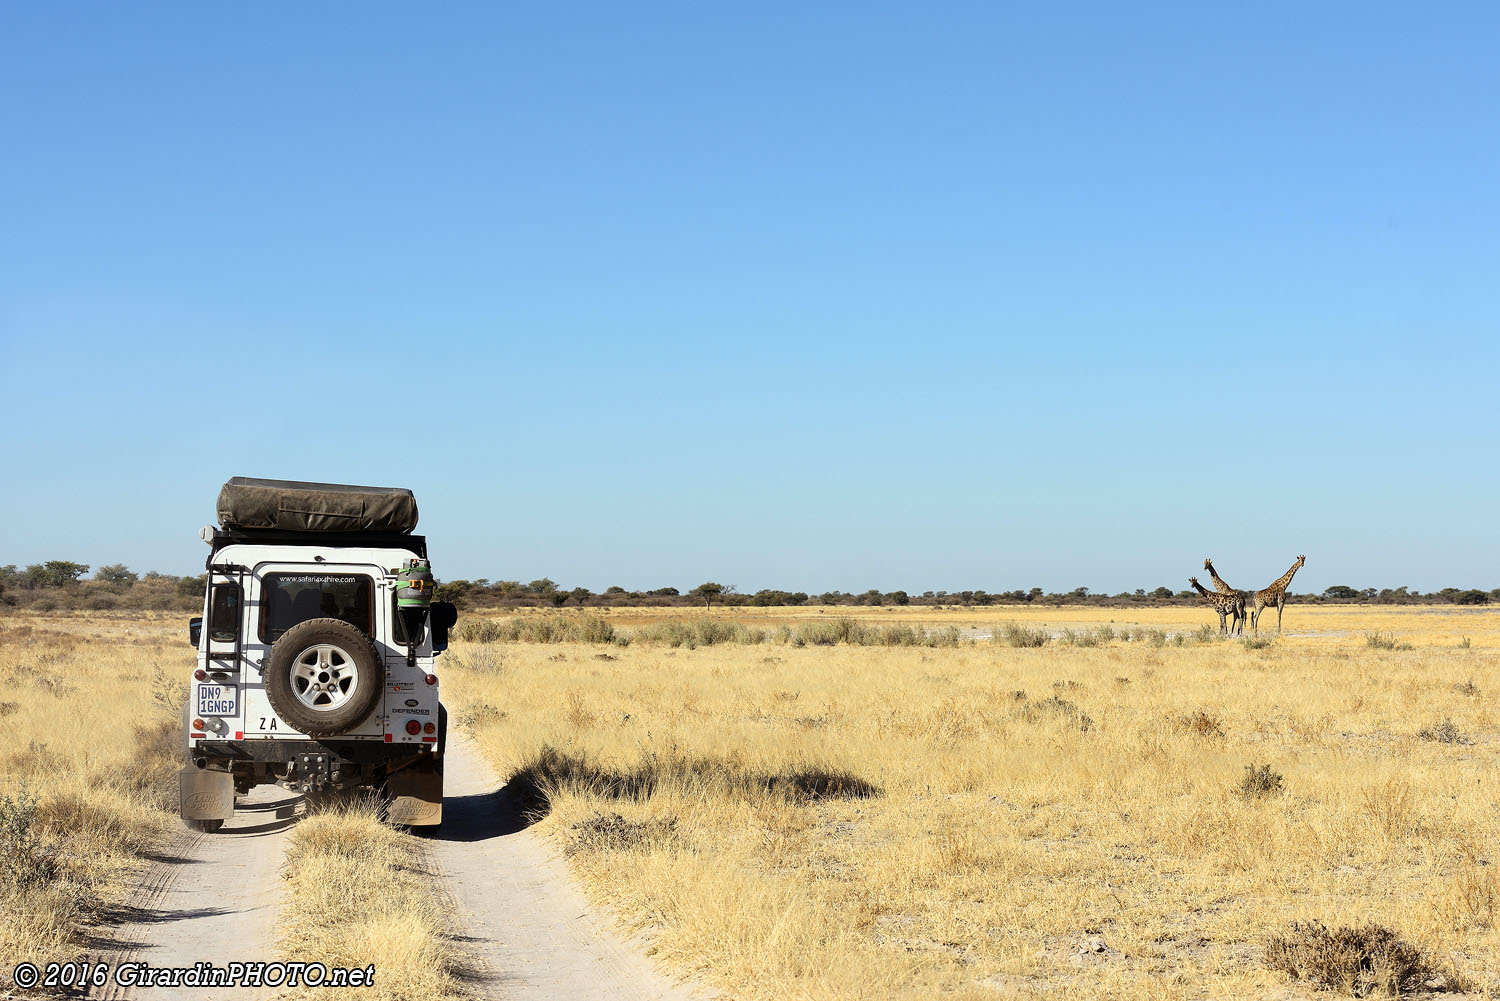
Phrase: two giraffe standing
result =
(1235, 606)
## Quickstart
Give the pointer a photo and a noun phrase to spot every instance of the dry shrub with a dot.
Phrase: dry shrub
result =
(1467, 688)
(1055, 708)
(613, 833)
(1016, 635)
(1356, 961)
(1260, 781)
(1385, 641)
(1202, 723)
(1444, 733)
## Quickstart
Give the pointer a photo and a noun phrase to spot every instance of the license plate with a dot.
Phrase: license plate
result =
(218, 700)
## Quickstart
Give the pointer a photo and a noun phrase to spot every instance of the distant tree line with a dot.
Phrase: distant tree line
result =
(61, 584)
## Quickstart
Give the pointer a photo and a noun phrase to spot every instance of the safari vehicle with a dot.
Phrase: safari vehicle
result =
(315, 652)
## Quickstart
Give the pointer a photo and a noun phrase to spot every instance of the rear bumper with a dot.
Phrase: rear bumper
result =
(219, 753)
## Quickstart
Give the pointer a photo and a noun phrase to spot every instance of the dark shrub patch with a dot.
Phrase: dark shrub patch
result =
(1357, 961)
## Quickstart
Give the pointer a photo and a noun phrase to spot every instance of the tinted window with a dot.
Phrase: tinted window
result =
(224, 613)
(290, 598)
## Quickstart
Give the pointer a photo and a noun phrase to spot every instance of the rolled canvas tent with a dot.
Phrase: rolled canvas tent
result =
(294, 506)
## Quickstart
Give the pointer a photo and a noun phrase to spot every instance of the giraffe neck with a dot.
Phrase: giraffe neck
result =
(1219, 582)
(1285, 579)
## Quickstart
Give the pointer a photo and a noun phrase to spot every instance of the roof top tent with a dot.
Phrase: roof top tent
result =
(292, 512)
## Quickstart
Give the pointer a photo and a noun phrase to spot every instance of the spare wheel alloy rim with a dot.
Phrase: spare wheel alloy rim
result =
(324, 677)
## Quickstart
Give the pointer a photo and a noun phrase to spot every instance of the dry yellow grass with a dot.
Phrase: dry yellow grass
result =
(1005, 831)
(359, 892)
(89, 726)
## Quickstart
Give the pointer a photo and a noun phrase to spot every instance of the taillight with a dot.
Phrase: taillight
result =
(198, 725)
(432, 679)
(199, 674)
(413, 727)
(430, 728)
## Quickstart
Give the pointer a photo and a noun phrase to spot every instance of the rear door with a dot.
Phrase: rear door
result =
(285, 594)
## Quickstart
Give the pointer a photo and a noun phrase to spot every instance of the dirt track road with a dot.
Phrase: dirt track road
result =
(535, 937)
(529, 933)
(209, 897)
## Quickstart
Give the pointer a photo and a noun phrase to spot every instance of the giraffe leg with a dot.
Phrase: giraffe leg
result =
(1279, 606)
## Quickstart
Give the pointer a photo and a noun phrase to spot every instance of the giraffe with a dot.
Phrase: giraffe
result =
(1219, 583)
(1273, 594)
(1230, 605)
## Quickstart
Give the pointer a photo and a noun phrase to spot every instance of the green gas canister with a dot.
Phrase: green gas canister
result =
(414, 585)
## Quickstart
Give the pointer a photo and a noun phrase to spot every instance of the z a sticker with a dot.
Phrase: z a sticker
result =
(403, 686)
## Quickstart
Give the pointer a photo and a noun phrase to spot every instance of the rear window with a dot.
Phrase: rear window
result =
(224, 613)
(290, 598)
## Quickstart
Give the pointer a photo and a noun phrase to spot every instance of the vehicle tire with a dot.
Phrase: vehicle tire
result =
(324, 677)
(204, 826)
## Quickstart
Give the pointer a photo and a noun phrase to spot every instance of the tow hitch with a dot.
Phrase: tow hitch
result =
(317, 771)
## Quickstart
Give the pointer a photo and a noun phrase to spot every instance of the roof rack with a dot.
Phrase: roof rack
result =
(324, 540)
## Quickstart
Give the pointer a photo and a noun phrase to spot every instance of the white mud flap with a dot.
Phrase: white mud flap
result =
(416, 797)
(206, 794)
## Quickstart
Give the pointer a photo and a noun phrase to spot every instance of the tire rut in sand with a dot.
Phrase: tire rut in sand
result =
(209, 897)
(529, 932)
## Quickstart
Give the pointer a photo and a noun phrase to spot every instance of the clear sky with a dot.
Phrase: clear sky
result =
(782, 295)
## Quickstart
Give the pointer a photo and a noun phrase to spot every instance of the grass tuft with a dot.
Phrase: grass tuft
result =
(1013, 634)
(357, 889)
(1385, 641)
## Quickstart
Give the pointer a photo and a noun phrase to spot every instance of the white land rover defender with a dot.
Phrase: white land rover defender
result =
(315, 652)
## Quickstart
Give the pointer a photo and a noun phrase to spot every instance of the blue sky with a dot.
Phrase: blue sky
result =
(838, 296)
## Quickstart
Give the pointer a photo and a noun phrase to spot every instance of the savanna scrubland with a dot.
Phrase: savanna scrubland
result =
(879, 802)
(1015, 801)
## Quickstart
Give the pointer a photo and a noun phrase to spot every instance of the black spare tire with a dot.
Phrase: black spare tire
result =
(324, 677)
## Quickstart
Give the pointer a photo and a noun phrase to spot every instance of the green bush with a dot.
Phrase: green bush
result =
(25, 862)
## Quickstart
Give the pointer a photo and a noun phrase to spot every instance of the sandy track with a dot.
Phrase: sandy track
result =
(531, 934)
(528, 932)
(208, 897)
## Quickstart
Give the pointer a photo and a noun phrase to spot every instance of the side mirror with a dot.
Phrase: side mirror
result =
(443, 617)
(195, 630)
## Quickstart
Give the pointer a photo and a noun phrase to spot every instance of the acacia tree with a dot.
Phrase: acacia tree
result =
(115, 573)
(708, 591)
